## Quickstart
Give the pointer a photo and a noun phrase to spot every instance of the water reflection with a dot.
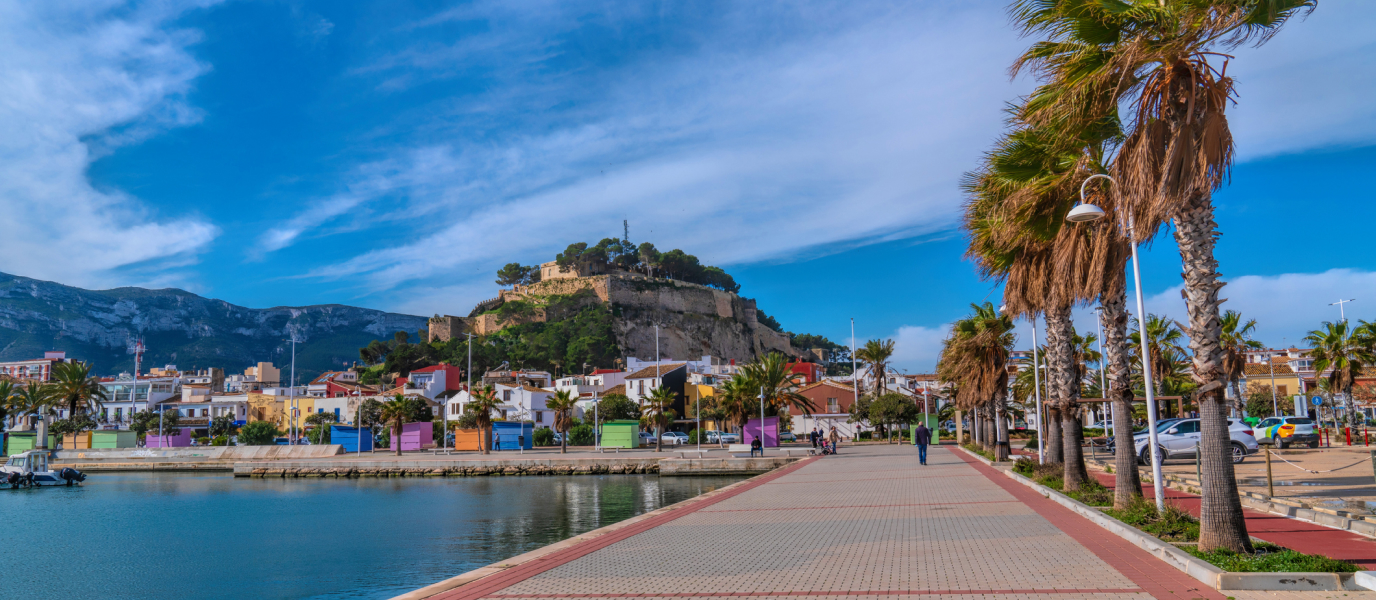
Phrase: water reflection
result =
(165, 535)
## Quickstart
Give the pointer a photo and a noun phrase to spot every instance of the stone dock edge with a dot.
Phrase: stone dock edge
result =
(663, 466)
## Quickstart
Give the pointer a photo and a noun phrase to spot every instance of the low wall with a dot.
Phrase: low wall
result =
(199, 453)
(449, 468)
(722, 466)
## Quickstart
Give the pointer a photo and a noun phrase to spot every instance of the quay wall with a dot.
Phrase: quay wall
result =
(504, 467)
(198, 454)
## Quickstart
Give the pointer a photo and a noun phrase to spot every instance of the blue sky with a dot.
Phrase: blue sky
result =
(395, 154)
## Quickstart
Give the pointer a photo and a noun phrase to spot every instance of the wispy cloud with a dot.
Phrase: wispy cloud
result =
(79, 79)
(735, 151)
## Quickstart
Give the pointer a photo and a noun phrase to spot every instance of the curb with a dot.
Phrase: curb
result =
(1203, 571)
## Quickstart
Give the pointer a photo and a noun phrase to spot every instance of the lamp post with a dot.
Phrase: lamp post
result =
(1037, 387)
(1084, 213)
(761, 434)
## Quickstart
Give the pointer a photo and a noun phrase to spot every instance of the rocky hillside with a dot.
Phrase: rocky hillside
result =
(182, 328)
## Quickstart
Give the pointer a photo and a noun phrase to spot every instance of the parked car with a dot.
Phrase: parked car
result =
(674, 438)
(1286, 431)
(730, 438)
(1177, 439)
(647, 439)
(787, 436)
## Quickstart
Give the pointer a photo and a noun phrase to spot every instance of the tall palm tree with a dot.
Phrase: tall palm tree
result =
(771, 376)
(1236, 340)
(482, 402)
(975, 356)
(397, 410)
(1154, 56)
(562, 403)
(1346, 350)
(1164, 337)
(73, 386)
(656, 409)
(34, 399)
(876, 355)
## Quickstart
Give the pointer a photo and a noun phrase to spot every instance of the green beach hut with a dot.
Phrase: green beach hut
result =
(113, 439)
(17, 442)
(621, 434)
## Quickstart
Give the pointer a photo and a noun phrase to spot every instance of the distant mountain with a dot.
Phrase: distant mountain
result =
(184, 329)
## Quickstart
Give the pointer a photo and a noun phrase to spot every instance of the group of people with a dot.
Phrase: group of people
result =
(826, 441)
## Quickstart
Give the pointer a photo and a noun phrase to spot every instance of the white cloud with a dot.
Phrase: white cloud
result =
(1310, 86)
(78, 79)
(917, 348)
(858, 132)
(1287, 307)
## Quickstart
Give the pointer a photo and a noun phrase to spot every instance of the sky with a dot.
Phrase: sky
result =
(395, 154)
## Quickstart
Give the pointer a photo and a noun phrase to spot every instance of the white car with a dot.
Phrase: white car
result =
(730, 438)
(674, 438)
(647, 438)
(1177, 439)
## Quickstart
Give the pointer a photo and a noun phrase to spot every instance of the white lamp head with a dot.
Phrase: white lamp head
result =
(1084, 213)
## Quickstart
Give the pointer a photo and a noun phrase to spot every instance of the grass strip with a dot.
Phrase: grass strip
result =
(1270, 558)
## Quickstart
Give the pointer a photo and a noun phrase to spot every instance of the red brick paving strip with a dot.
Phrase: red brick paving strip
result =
(1297, 535)
(1152, 574)
(858, 506)
(498, 581)
(822, 593)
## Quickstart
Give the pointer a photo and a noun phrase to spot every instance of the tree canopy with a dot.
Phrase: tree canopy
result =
(612, 254)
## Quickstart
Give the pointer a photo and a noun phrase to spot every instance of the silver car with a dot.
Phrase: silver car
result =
(1178, 439)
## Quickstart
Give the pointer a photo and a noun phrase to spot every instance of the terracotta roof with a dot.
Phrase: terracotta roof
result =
(531, 388)
(845, 386)
(619, 388)
(326, 376)
(649, 372)
(605, 371)
(1263, 369)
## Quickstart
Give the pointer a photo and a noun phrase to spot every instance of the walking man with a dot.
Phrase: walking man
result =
(813, 436)
(922, 436)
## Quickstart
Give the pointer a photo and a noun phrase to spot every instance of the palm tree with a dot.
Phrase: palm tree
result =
(1346, 351)
(397, 410)
(562, 403)
(975, 357)
(73, 385)
(771, 376)
(482, 403)
(1236, 340)
(8, 392)
(736, 400)
(1153, 56)
(876, 355)
(1164, 337)
(34, 399)
(656, 409)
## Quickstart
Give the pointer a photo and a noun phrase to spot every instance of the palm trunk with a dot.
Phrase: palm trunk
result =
(1127, 482)
(990, 427)
(1221, 523)
(1060, 334)
(1001, 428)
(563, 442)
(396, 431)
(1239, 405)
(1052, 443)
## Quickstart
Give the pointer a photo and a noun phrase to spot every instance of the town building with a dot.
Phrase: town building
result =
(34, 369)
(673, 376)
(434, 381)
(831, 401)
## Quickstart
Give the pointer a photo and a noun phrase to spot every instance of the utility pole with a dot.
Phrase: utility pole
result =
(854, 371)
(291, 415)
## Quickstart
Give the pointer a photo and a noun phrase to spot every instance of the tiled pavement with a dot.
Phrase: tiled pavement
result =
(869, 522)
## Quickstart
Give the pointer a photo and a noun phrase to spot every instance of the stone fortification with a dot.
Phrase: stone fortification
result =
(694, 320)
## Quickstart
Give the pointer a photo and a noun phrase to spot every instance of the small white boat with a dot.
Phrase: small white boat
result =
(30, 469)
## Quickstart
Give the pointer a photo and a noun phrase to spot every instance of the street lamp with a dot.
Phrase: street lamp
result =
(1084, 213)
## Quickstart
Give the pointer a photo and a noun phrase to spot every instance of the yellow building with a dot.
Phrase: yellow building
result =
(262, 407)
(1258, 379)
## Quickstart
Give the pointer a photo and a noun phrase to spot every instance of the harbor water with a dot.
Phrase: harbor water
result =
(170, 535)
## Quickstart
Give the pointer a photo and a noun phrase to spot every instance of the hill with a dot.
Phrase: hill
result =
(182, 328)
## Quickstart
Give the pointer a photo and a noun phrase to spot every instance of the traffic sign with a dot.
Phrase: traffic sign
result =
(1317, 400)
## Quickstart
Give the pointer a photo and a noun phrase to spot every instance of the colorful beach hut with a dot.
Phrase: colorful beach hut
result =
(932, 422)
(470, 439)
(415, 436)
(621, 434)
(77, 441)
(348, 438)
(771, 431)
(181, 440)
(113, 439)
(513, 435)
(17, 442)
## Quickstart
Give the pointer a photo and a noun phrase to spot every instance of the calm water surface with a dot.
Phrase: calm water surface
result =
(166, 535)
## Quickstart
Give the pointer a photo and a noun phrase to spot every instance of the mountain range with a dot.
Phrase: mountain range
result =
(182, 328)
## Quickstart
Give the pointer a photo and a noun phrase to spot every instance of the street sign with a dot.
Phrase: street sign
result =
(1317, 400)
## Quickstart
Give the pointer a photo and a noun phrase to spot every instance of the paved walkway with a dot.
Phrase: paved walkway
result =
(869, 522)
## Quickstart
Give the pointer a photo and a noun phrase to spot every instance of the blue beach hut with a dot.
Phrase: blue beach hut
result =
(505, 434)
(348, 438)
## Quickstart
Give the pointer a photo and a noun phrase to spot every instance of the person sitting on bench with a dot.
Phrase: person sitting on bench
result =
(756, 446)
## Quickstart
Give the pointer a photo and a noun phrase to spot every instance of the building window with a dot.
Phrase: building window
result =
(833, 406)
(1282, 390)
(539, 416)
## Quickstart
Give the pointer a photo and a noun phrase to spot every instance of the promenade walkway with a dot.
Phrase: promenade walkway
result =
(868, 523)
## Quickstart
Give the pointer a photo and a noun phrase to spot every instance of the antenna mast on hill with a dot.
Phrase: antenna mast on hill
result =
(626, 231)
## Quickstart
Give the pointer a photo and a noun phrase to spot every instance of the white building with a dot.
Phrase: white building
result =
(518, 403)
